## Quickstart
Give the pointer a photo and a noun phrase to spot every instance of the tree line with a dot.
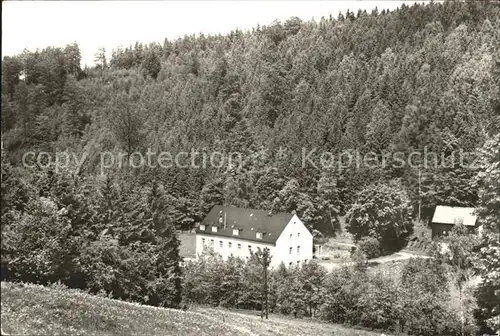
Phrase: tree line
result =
(416, 300)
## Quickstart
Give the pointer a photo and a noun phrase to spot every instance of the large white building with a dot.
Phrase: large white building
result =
(237, 232)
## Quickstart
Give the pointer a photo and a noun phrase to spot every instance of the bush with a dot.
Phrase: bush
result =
(382, 211)
(370, 246)
(41, 245)
(342, 292)
(379, 303)
(133, 273)
(426, 301)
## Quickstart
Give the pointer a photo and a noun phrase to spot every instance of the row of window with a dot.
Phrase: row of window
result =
(290, 250)
(298, 263)
(221, 244)
(230, 245)
(236, 232)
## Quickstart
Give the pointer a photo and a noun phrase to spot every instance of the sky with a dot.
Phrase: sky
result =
(110, 24)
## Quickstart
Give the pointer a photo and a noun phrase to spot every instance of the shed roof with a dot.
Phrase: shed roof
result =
(247, 221)
(454, 215)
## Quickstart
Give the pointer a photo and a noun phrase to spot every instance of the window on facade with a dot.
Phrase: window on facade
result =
(290, 252)
(202, 227)
(250, 247)
(212, 242)
(203, 241)
(298, 263)
(236, 232)
(298, 249)
(298, 235)
(259, 235)
(290, 264)
(220, 220)
(221, 244)
(239, 246)
(230, 244)
(318, 249)
(214, 228)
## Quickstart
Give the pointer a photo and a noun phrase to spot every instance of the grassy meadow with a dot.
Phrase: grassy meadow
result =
(36, 310)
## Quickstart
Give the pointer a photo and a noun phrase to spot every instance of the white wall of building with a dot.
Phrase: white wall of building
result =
(296, 237)
(294, 246)
(226, 246)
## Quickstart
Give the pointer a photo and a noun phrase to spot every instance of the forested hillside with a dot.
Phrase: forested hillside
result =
(422, 77)
(419, 79)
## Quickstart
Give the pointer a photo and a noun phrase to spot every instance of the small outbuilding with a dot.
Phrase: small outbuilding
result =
(446, 217)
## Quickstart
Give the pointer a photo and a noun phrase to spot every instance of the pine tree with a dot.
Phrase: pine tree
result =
(168, 268)
(328, 203)
(152, 63)
(212, 194)
(489, 217)
(100, 58)
(11, 69)
(378, 131)
(74, 118)
(127, 123)
(73, 58)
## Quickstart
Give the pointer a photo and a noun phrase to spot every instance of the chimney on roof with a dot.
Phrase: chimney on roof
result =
(221, 219)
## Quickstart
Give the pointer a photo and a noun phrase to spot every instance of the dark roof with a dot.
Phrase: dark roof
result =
(248, 221)
(454, 215)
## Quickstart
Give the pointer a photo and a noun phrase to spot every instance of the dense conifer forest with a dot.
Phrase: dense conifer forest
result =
(420, 79)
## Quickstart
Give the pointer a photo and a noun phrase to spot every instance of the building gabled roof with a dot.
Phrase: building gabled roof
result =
(454, 215)
(247, 221)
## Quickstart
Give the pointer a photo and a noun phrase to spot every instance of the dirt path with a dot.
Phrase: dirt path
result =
(398, 256)
(343, 244)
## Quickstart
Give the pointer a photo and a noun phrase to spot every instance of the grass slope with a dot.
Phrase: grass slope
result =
(36, 310)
